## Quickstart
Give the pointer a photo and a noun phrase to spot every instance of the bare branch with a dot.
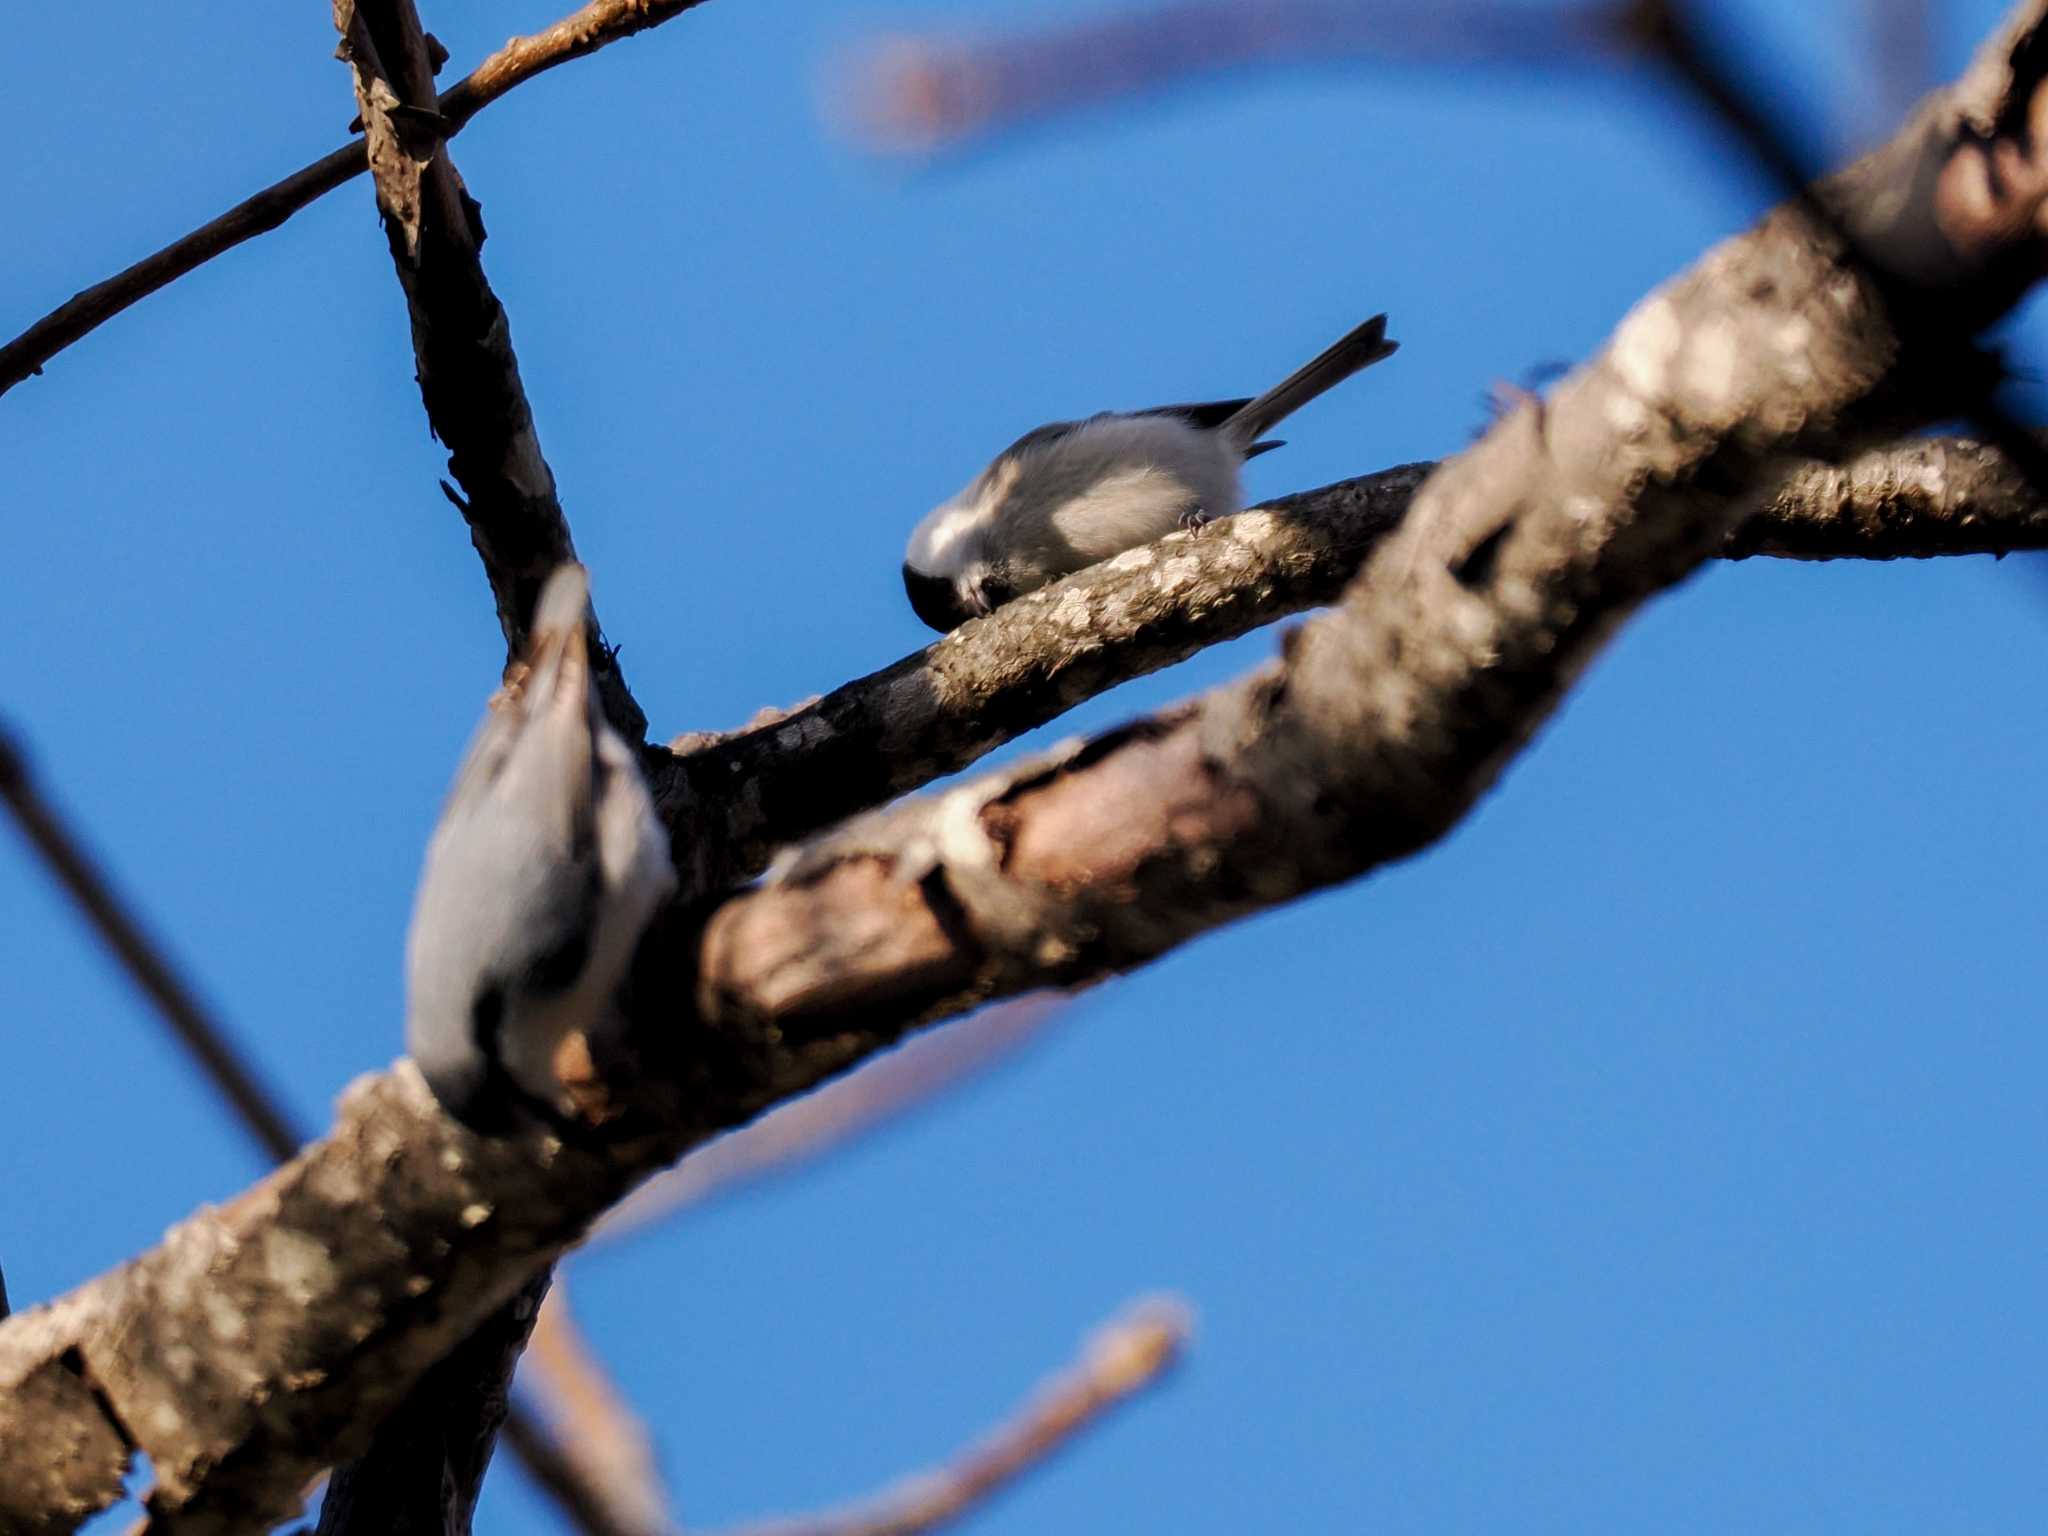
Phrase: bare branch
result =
(1032, 660)
(260, 1338)
(84, 312)
(256, 1107)
(1911, 500)
(423, 1472)
(918, 93)
(1386, 719)
(1125, 1356)
(426, 1466)
(583, 32)
(589, 1508)
(1985, 217)
(462, 340)
(596, 25)
(806, 1129)
(597, 1461)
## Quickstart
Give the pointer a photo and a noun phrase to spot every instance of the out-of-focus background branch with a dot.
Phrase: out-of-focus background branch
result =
(1946, 644)
(583, 31)
(920, 92)
(1127, 1355)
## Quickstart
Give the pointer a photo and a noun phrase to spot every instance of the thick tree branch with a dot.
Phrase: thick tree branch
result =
(1911, 500)
(583, 32)
(596, 1463)
(1385, 720)
(936, 711)
(259, 1339)
(422, 1474)
(347, 1250)
(256, 1107)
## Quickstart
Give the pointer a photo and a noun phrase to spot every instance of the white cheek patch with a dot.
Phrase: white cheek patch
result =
(952, 534)
(945, 540)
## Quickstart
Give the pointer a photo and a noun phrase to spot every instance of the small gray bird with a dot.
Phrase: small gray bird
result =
(1075, 492)
(546, 866)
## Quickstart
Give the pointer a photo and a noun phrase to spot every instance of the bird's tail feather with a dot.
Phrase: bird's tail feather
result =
(557, 655)
(562, 600)
(1361, 349)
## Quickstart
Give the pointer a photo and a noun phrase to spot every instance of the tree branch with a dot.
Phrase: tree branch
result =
(205, 1040)
(881, 1092)
(259, 1339)
(462, 340)
(256, 1107)
(425, 1468)
(1127, 1355)
(596, 1461)
(1913, 500)
(422, 1474)
(1384, 721)
(937, 711)
(923, 92)
(597, 1464)
(583, 32)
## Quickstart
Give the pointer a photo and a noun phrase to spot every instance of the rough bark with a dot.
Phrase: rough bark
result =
(425, 1468)
(939, 710)
(1901, 501)
(261, 1340)
(462, 340)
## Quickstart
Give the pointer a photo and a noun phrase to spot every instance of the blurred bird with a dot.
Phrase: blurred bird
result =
(1069, 494)
(546, 867)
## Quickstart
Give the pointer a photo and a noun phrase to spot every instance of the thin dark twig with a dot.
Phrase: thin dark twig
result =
(582, 32)
(260, 1112)
(1666, 29)
(257, 1107)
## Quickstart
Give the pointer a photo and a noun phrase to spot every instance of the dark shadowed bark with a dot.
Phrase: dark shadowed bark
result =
(261, 1340)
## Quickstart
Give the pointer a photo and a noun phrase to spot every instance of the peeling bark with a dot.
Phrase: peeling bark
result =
(262, 1340)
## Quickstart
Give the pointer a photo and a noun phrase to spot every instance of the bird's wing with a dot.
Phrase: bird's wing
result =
(1204, 413)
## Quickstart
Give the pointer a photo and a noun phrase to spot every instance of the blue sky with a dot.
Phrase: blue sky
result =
(1661, 1151)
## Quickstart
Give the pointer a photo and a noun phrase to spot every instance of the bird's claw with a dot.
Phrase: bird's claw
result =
(1194, 520)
